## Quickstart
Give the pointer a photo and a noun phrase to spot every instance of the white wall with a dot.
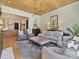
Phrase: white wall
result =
(67, 16)
(21, 13)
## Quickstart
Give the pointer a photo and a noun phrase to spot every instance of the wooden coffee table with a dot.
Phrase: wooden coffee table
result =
(40, 40)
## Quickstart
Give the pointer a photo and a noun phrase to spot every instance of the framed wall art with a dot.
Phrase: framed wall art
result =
(54, 22)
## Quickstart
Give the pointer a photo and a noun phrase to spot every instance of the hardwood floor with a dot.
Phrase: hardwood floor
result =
(17, 53)
(10, 40)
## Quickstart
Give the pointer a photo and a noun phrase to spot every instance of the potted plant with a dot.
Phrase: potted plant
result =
(74, 30)
(75, 36)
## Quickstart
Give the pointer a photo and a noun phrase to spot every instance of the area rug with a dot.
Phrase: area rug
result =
(30, 50)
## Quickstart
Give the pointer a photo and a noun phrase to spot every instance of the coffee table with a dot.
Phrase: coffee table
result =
(40, 40)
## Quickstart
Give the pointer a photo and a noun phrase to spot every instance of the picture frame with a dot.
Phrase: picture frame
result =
(54, 22)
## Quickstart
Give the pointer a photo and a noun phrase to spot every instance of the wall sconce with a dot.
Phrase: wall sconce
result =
(48, 26)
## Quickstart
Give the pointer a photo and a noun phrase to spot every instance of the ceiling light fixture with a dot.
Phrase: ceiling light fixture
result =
(36, 9)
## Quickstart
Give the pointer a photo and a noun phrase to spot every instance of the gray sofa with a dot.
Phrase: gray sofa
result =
(55, 53)
(56, 37)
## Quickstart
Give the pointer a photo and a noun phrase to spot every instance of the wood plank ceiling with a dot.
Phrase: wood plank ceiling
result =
(37, 6)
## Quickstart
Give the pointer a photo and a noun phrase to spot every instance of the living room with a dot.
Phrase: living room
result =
(32, 33)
